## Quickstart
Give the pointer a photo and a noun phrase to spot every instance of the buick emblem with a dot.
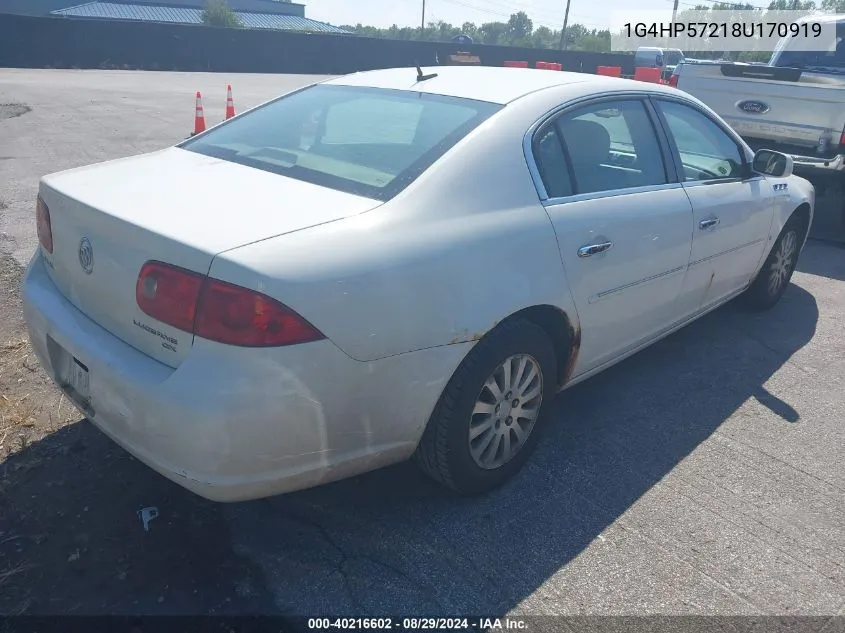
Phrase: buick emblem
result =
(86, 256)
(753, 107)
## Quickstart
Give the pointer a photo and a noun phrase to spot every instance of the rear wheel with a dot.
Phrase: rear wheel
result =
(491, 414)
(774, 277)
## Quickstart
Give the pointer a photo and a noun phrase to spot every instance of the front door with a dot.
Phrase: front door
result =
(623, 226)
(733, 211)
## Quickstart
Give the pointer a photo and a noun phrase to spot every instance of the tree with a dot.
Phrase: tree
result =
(468, 28)
(517, 31)
(520, 27)
(218, 13)
(837, 6)
(792, 5)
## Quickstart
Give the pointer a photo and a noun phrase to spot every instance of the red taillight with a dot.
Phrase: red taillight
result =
(42, 221)
(217, 310)
(673, 80)
(842, 138)
(169, 294)
(238, 316)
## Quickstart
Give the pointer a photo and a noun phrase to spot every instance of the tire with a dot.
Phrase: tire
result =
(445, 452)
(774, 277)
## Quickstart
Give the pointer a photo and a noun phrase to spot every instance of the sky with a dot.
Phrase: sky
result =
(385, 13)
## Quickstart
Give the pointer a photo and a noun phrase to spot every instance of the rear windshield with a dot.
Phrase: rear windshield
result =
(832, 59)
(673, 58)
(366, 141)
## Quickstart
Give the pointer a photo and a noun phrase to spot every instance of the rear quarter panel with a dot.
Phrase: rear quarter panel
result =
(461, 249)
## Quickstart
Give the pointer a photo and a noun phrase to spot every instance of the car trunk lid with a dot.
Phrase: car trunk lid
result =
(173, 206)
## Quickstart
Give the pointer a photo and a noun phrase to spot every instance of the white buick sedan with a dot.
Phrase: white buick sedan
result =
(391, 265)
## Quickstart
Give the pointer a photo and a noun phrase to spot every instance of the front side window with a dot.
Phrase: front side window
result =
(366, 141)
(707, 151)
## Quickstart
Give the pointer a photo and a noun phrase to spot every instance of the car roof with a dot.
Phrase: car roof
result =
(487, 83)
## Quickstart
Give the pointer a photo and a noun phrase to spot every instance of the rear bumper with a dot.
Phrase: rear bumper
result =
(804, 165)
(233, 424)
(813, 164)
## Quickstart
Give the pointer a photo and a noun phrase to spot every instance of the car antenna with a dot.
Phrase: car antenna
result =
(422, 77)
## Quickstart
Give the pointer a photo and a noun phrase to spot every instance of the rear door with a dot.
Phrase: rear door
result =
(623, 222)
(732, 212)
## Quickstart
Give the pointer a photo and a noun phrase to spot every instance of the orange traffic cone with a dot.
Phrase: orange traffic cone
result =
(199, 117)
(230, 104)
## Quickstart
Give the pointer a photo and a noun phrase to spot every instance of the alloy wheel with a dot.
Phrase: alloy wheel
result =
(783, 263)
(505, 411)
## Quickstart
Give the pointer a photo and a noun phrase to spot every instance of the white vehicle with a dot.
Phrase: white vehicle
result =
(792, 105)
(387, 265)
(653, 57)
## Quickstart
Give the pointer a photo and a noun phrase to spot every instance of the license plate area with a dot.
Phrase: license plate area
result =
(72, 376)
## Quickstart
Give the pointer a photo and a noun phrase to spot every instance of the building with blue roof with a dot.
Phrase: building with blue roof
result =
(256, 14)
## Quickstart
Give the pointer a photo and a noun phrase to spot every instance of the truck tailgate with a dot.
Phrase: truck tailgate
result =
(791, 107)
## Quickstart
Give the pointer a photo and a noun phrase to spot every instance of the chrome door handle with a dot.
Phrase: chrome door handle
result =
(706, 224)
(593, 249)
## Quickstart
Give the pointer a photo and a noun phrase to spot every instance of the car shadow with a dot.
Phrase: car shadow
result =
(824, 258)
(388, 542)
(829, 219)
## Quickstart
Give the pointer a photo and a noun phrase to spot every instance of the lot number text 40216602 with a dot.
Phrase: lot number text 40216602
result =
(416, 624)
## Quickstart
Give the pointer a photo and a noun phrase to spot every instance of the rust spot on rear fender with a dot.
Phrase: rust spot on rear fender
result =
(466, 337)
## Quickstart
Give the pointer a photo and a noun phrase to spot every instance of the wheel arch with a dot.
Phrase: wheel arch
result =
(803, 213)
(564, 332)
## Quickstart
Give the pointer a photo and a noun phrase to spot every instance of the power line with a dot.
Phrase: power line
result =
(547, 23)
(505, 11)
(533, 9)
(489, 11)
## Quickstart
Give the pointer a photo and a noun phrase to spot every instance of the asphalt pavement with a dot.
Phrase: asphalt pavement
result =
(704, 476)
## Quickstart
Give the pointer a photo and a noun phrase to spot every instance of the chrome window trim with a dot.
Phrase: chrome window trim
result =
(650, 97)
(610, 193)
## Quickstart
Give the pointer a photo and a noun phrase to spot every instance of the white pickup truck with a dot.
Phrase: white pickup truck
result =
(795, 104)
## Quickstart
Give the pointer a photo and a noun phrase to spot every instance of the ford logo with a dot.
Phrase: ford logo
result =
(753, 107)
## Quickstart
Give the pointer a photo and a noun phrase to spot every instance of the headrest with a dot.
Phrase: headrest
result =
(587, 141)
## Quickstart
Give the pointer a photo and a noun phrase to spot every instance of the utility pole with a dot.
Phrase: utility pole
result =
(563, 30)
(422, 22)
(675, 11)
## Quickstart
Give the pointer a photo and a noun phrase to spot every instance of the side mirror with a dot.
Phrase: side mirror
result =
(772, 163)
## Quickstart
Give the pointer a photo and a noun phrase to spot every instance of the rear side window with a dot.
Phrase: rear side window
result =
(366, 141)
(552, 163)
(606, 146)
